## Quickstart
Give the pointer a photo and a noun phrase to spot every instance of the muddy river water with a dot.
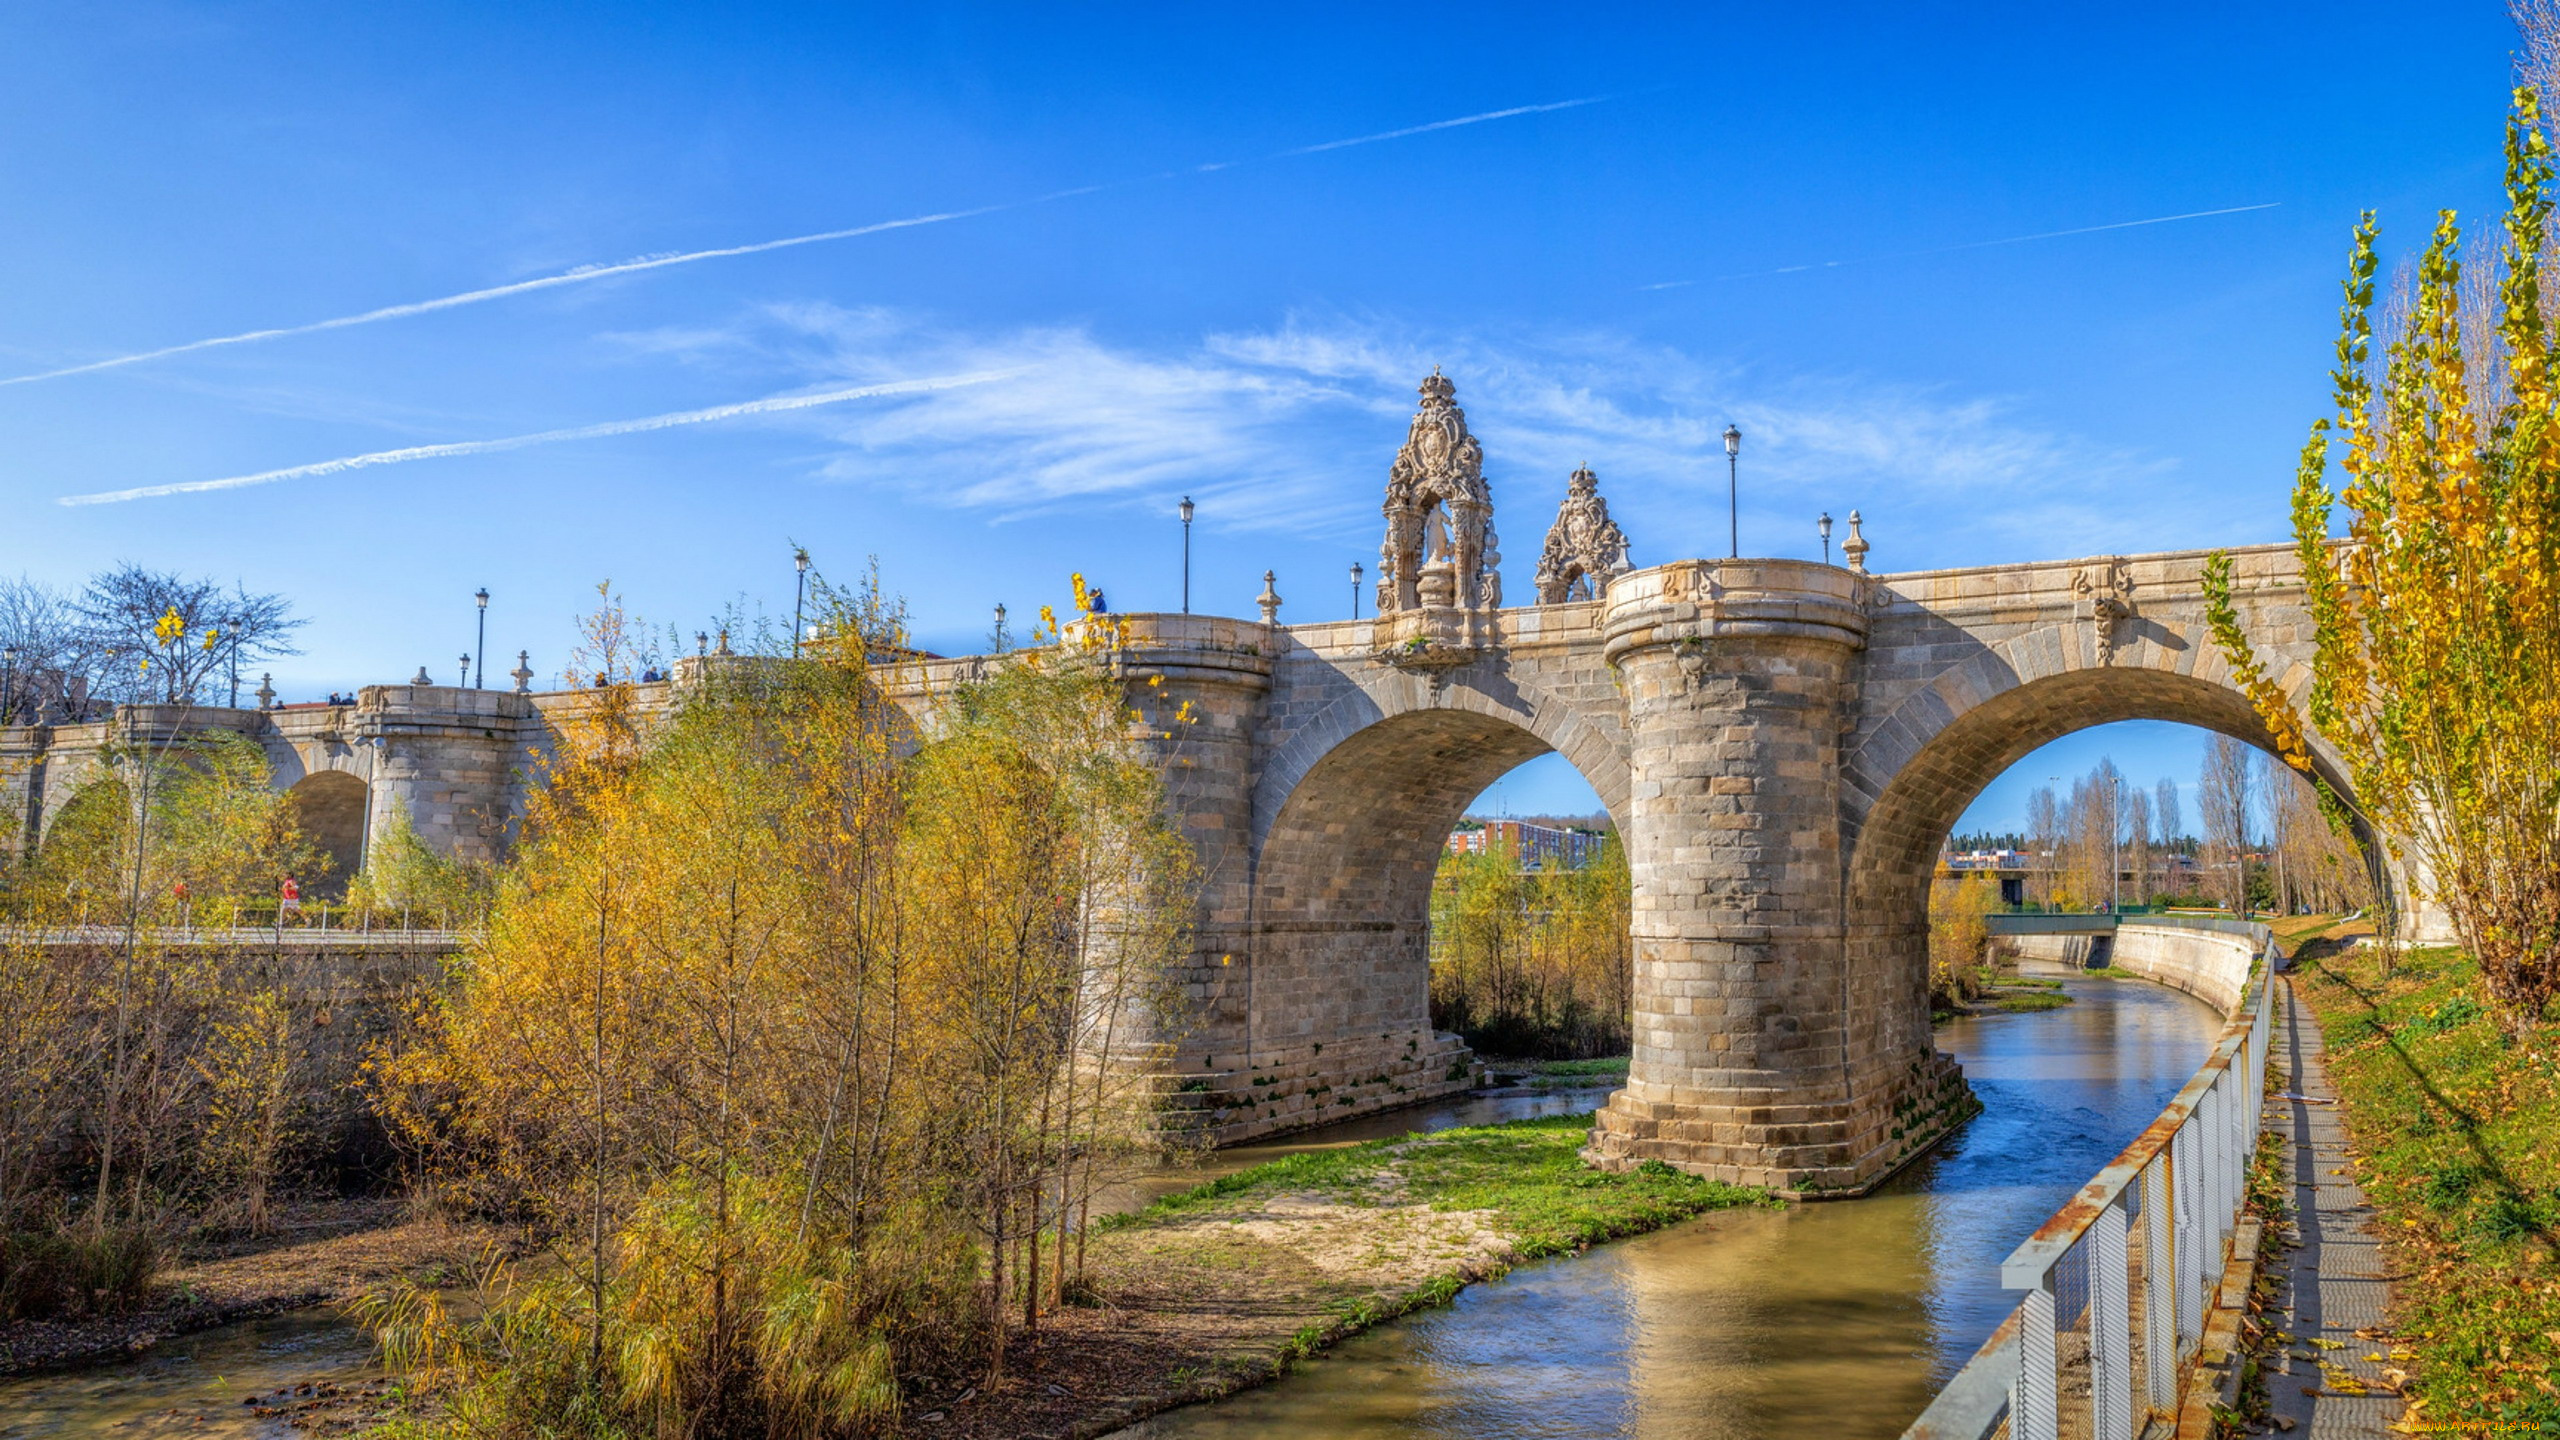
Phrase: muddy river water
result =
(1833, 1319)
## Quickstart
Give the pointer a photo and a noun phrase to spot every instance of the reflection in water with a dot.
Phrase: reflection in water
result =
(1833, 1319)
(192, 1385)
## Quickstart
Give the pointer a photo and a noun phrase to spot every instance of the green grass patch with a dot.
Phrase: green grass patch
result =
(2027, 1002)
(1607, 1066)
(2453, 1126)
(2024, 982)
(1530, 1173)
(1563, 1074)
(2110, 972)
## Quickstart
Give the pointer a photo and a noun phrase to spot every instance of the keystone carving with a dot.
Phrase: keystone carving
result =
(1690, 582)
(1585, 548)
(2108, 588)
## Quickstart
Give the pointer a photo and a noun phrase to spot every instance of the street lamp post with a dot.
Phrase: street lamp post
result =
(998, 637)
(1186, 554)
(1824, 525)
(799, 592)
(1357, 574)
(1733, 487)
(464, 680)
(8, 683)
(480, 676)
(2115, 854)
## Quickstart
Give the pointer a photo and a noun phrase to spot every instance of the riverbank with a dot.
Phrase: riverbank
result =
(1224, 1286)
(2451, 1130)
(319, 1253)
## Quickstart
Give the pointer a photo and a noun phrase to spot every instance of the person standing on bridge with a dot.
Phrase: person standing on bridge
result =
(288, 902)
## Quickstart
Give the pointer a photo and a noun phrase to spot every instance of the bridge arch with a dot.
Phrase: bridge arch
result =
(330, 807)
(1591, 739)
(1343, 865)
(1936, 757)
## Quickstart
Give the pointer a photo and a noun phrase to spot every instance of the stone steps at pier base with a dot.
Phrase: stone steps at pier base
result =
(1296, 1088)
(1823, 1149)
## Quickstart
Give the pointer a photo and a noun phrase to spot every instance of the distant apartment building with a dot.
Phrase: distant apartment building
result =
(2170, 870)
(1534, 844)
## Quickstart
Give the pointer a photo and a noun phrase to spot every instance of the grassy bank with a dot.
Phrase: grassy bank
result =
(1224, 1286)
(2023, 995)
(2455, 1131)
(1561, 1074)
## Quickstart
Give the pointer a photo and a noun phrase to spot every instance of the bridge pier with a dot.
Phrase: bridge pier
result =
(1740, 681)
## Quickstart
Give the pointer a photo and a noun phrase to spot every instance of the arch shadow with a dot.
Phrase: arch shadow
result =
(329, 808)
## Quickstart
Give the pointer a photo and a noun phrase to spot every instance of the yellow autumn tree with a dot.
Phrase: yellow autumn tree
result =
(801, 1032)
(1959, 936)
(2437, 615)
(1534, 960)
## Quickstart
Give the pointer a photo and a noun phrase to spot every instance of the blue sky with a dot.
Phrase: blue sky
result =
(1238, 310)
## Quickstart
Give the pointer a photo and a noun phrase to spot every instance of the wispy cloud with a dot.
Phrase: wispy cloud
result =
(1967, 245)
(585, 274)
(1290, 429)
(770, 406)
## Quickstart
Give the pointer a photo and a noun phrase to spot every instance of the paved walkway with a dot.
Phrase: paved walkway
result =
(2333, 1283)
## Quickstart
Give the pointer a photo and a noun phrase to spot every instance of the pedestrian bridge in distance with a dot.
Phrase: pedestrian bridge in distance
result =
(1782, 744)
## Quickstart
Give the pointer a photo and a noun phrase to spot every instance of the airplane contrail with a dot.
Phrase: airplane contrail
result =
(1968, 245)
(767, 406)
(584, 273)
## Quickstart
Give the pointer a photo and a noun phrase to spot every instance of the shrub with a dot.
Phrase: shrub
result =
(47, 1275)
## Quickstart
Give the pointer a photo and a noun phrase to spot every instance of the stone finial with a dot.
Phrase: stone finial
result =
(723, 648)
(1439, 547)
(1269, 599)
(523, 673)
(266, 692)
(1855, 547)
(422, 677)
(1585, 548)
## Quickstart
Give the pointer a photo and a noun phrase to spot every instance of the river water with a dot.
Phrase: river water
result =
(1835, 1319)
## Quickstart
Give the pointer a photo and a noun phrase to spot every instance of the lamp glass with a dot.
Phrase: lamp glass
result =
(1186, 509)
(1732, 440)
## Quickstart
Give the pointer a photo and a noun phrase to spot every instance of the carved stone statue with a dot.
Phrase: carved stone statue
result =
(1439, 546)
(1585, 548)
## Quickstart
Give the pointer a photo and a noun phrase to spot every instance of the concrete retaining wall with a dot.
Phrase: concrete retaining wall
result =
(2211, 965)
(2071, 950)
(2209, 961)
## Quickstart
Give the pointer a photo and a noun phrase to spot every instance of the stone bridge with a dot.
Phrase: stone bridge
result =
(1783, 746)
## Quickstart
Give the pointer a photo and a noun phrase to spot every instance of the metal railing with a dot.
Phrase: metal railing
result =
(358, 932)
(2119, 1280)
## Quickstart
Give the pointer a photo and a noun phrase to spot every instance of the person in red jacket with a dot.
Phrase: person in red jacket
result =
(289, 901)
